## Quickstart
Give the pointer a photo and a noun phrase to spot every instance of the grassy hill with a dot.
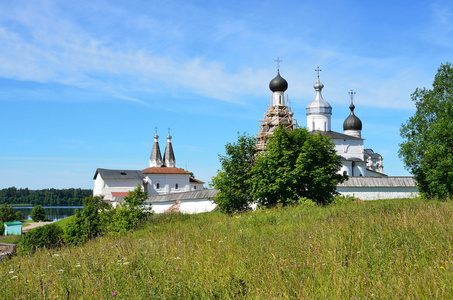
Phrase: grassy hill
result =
(379, 249)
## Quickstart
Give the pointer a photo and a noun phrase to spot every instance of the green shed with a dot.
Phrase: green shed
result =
(13, 228)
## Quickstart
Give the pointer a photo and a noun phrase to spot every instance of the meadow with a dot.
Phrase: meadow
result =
(393, 249)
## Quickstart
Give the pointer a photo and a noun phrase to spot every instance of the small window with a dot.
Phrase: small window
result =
(345, 173)
(194, 187)
(176, 186)
(157, 186)
(123, 173)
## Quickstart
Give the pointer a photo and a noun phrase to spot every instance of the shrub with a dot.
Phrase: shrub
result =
(38, 214)
(47, 236)
(342, 199)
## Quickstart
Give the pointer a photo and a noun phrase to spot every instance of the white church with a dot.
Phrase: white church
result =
(363, 166)
(169, 188)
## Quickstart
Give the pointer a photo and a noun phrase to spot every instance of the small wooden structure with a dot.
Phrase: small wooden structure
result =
(13, 228)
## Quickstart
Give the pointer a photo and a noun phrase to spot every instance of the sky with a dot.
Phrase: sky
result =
(84, 84)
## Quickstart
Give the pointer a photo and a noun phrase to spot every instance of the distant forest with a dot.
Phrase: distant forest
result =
(46, 197)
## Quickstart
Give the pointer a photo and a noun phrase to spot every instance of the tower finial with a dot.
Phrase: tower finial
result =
(278, 61)
(156, 129)
(352, 93)
(318, 70)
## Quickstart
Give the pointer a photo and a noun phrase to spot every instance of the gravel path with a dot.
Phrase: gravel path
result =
(34, 225)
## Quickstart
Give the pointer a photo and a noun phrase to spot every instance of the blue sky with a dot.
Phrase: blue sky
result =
(83, 84)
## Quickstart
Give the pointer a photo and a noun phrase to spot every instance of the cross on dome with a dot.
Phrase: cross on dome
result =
(318, 70)
(278, 61)
(352, 93)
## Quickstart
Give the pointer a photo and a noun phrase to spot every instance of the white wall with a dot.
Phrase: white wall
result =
(167, 183)
(349, 148)
(186, 206)
(376, 193)
(318, 122)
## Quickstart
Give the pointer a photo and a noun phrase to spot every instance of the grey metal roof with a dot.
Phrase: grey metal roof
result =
(370, 181)
(318, 105)
(119, 174)
(156, 158)
(340, 136)
(192, 195)
(169, 155)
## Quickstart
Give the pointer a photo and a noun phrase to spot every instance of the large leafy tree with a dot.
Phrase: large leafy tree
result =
(427, 149)
(233, 180)
(296, 164)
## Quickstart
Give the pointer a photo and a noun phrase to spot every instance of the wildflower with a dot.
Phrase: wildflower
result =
(14, 277)
(177, 257)
(114, 293)
(176, 268)
(209, 240)
(125, 263)
(358, 252)
(11, 272)
(56, 255)
(78, 266)
(61, 271)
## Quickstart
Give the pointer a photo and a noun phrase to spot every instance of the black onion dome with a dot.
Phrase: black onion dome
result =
(278, 84)
(352, 122)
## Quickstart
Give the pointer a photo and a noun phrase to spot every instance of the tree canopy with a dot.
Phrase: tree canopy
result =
(38, 214)
(296, 165)
(427, 149)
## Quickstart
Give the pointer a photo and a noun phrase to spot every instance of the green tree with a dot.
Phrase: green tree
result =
(86, 224)
(233, 180)
(38, 214)
(296, 165)
(427, 149)
(8, 214)
(129, 214)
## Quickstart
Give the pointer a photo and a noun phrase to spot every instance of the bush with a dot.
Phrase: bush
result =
(38, 214)
(2, 228)
(48, 236)
(86, 224)
(342, 199)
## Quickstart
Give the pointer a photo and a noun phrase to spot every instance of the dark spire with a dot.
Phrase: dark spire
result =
(155, 160)
(169, 156)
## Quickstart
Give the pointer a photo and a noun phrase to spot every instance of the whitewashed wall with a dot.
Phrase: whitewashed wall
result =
(376, 193)
(167, 183)
(186, 206)
(349, 148)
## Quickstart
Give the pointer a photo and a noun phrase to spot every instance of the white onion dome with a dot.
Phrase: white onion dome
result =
(278, 84)
(319, 105)
(352, 122)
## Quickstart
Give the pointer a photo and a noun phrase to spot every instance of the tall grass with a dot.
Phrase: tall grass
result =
(400, 249)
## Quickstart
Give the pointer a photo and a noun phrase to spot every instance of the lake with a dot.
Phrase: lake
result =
(53, 213)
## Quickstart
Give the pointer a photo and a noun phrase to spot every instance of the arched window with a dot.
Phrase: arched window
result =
(176, 186)
(345, 173)
(194, 187)
(157, 186)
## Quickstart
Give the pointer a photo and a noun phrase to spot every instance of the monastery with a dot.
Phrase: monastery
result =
(363, 166)
(173, 189)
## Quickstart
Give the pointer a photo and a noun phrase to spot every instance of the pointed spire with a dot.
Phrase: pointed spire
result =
(169, 156)
(155, 160)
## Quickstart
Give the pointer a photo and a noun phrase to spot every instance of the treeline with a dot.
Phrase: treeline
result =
(46, 197)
